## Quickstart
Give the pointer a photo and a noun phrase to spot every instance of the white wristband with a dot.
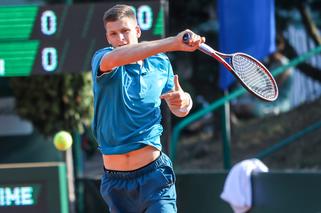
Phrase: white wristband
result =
(190, 104)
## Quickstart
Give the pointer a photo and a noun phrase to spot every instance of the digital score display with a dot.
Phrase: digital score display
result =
(19, 195)
(33, 187)
(55, 39)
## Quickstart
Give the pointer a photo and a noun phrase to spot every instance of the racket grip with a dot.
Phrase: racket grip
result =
(187, 37)
(203, 47)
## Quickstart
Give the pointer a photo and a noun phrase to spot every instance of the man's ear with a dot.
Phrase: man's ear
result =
(138, 31)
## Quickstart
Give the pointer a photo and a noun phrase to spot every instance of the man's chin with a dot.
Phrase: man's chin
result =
(120, 45)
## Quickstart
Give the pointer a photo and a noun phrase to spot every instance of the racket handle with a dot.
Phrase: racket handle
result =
(203, 47)
(187, 37)
(207, 49)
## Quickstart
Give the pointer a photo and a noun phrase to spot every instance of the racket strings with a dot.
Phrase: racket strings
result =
(254, 76)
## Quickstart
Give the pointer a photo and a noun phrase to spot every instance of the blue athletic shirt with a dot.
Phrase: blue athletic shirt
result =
(127, 103)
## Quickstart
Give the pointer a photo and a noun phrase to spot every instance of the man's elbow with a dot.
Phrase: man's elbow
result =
(108, 63)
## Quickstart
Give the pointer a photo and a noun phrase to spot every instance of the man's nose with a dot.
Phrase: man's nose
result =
(121, 37)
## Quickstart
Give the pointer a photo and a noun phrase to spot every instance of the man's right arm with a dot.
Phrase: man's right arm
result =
(135, 52)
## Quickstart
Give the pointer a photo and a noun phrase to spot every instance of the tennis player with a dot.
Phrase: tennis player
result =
(130, 79)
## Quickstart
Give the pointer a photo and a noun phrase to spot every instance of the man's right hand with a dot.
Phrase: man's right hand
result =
(193, 44)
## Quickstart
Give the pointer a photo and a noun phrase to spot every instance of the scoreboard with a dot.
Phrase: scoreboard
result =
(33, 187)
(53, 39)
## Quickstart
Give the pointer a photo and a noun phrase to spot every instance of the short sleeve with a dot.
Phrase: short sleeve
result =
(170, 77)
(96, 60)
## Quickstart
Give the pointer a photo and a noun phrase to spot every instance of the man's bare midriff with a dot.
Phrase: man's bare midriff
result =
(131, 160)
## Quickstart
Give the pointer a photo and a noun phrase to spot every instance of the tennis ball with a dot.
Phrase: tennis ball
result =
(62, 140)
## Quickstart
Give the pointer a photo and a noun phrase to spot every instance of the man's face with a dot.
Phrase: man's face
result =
(122, 32)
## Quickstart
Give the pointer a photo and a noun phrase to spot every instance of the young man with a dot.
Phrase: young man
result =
(130, 79)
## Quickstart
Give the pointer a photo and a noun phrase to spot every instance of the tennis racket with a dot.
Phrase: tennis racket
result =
(251, 73)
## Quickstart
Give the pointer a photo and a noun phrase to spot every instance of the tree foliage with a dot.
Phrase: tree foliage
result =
(55, 102)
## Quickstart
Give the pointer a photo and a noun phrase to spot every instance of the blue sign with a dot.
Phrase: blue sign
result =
(245, 26)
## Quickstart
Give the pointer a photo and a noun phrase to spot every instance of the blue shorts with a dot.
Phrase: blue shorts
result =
(150, 189)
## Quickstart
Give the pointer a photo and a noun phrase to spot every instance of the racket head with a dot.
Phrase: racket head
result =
(254, 76)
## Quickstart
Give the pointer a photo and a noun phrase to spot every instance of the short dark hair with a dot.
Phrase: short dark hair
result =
(117, 12)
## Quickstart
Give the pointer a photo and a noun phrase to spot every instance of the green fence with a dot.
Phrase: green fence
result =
(220, 102)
